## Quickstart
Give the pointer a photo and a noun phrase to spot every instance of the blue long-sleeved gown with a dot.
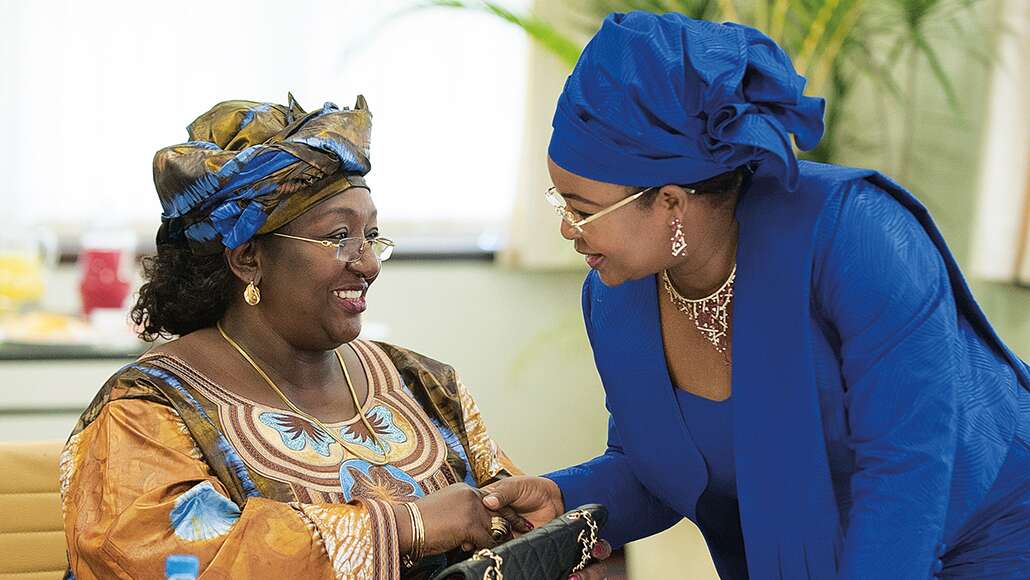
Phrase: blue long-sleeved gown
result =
(880, 429)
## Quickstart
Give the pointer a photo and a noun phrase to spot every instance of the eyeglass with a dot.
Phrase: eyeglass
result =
(351, 249)
(569, 216)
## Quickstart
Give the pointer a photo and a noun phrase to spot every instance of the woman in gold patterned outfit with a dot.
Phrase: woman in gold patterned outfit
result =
(267, 439)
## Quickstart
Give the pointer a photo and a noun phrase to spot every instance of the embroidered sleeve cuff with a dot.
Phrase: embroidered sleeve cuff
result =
(359, 538)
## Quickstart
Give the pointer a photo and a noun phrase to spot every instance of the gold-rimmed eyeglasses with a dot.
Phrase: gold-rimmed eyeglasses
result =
(351, 249)
(577, 221)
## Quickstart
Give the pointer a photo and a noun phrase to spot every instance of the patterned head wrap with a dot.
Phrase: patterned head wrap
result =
(668, 99)
(249, 168)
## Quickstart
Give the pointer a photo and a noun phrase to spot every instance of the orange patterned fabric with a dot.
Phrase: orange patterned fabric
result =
(168, 462)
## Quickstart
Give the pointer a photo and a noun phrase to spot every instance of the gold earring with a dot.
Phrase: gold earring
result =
(252, 294)
(679, 241)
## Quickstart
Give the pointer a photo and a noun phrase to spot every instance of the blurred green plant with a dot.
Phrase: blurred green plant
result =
(836, 44)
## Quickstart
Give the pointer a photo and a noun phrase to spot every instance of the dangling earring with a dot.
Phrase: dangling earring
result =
(679, 241)
(252, 294)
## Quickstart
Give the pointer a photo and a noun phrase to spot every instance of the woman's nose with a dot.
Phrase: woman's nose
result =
(568, 232)
(367, 265)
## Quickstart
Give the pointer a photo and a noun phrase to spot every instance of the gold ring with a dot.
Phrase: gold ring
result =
(499, 528)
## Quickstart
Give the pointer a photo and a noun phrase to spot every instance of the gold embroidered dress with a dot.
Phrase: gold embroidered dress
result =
(165, 461)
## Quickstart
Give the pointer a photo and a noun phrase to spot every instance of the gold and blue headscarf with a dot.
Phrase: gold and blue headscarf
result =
(249, 168)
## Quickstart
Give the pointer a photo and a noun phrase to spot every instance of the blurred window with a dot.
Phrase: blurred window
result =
(92, 89)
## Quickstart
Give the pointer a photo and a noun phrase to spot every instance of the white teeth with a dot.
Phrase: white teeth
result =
(348, 294)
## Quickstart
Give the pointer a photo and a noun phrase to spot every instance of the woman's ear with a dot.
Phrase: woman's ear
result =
(245, 262)
(673, 199)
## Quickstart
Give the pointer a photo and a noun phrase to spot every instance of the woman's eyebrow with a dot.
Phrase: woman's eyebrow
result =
(576, 197)
(346, 213)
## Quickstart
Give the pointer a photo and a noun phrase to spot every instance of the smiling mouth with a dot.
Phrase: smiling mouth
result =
(353, 301)
(349, 294)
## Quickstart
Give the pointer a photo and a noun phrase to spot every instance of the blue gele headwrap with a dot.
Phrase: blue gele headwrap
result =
(666, 99)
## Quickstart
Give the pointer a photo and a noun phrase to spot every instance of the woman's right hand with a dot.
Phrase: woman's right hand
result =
(454, 517)
(536, 499)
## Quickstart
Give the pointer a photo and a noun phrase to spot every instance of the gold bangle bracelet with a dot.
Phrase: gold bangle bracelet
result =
(406, 559)
(419, 544)
(418, 536)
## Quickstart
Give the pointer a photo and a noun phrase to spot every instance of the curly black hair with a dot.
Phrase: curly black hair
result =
(183, 292)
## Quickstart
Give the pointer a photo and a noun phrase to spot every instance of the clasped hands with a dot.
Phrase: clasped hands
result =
(460, 516)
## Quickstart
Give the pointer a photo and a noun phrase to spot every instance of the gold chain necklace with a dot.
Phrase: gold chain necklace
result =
(711, 314)
(308, 416)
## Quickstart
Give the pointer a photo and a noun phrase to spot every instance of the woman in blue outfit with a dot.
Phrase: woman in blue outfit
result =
(790, 354)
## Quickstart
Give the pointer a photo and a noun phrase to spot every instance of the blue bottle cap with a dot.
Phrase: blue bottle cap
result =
(181, 564)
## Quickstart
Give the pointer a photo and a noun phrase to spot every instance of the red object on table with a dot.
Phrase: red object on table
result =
(102, 285)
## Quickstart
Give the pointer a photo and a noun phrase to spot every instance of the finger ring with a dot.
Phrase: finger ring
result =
(499, 528)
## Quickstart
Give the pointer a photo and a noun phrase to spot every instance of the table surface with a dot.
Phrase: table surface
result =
(15, 351)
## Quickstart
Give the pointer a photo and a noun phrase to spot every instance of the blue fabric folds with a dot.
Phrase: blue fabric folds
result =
(669, 99)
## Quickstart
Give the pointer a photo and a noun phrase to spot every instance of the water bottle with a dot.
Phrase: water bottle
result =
(182, 567)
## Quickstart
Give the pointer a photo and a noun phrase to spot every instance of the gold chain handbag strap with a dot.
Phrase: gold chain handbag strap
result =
(586, 542)
(494, 571)
(587, 539)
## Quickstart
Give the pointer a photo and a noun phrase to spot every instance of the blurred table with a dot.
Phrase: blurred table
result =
(44, 387)
(14, 351)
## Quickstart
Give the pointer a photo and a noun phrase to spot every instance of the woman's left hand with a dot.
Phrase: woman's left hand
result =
(606, 566)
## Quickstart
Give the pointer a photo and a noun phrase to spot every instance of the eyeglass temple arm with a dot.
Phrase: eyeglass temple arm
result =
(611, 208)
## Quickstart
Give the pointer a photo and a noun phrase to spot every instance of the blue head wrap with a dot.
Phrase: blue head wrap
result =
(668, 99)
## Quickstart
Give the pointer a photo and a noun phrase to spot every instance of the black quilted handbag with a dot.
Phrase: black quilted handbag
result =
(550, 552)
